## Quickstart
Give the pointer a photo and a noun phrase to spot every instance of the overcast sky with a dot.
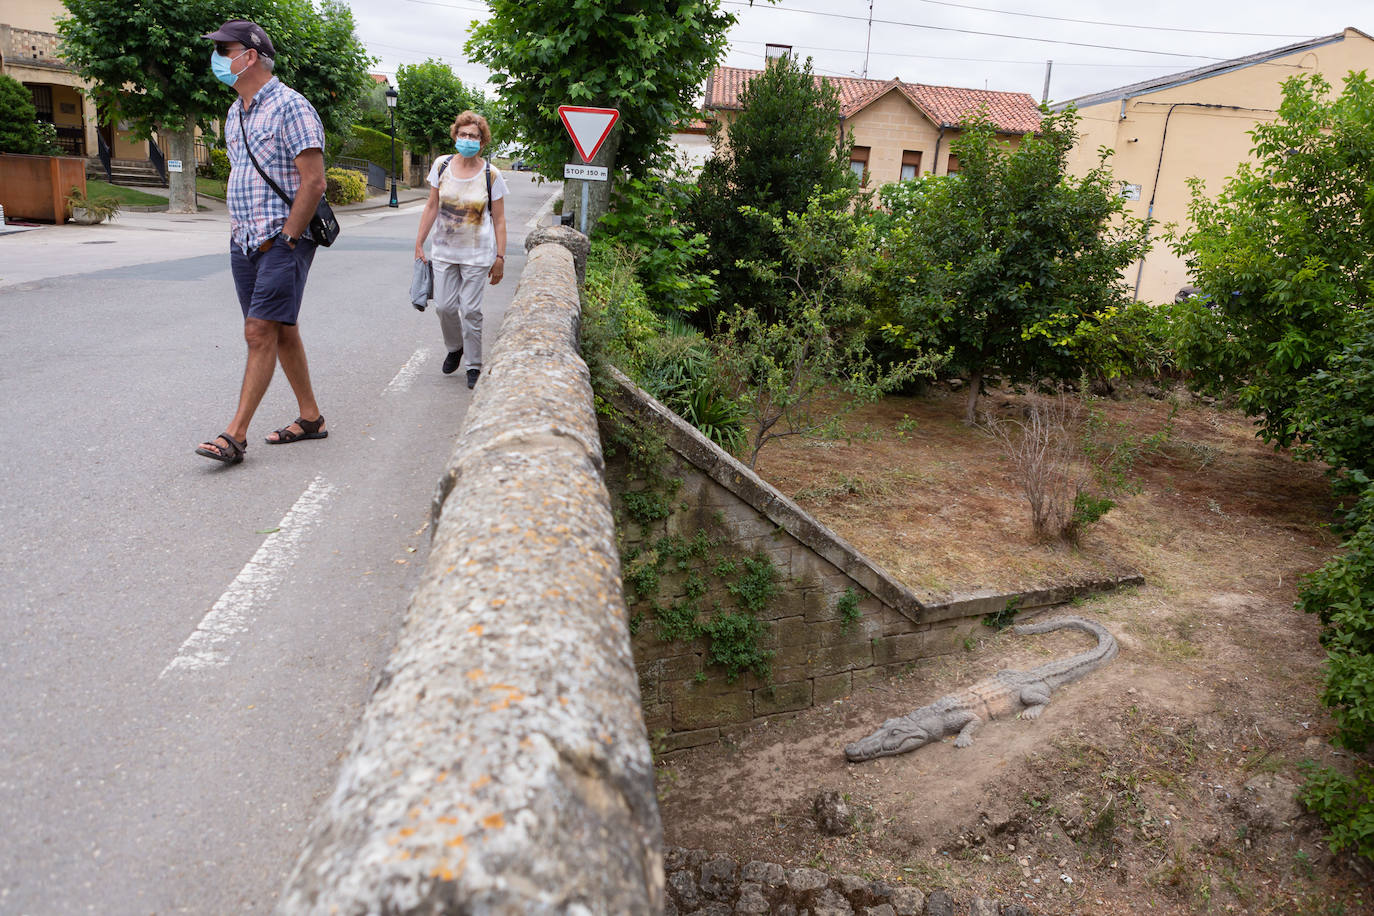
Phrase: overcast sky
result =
(1095, 45)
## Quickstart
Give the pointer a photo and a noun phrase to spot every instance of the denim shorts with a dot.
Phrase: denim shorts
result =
(271, 283)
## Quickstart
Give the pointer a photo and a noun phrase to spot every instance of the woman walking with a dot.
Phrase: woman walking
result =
(466, 198)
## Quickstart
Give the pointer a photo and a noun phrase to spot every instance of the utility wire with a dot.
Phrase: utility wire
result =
(1112, 25)
(943, 28)
(978, 60)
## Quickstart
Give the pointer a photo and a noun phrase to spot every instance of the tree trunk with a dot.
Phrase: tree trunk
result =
(975, 387)
(181, 144)
(598, 192)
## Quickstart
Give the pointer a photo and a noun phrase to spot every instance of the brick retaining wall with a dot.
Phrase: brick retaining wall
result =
(818, 655)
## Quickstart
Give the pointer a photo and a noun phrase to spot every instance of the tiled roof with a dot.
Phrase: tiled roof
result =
(947, 106)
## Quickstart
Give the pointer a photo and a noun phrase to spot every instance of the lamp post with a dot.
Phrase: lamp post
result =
(391, 107)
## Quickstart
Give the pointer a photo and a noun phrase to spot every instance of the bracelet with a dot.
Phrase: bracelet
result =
(501, 256)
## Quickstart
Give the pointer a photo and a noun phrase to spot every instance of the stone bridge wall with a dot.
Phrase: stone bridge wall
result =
(502, 764)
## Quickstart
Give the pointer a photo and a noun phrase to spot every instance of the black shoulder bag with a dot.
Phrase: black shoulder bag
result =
(324, 226)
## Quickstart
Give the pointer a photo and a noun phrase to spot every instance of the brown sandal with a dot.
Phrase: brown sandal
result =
(230, 453)
(310, 429)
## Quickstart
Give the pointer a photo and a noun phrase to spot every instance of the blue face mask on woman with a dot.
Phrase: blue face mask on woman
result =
(467, 148)
(220, 67)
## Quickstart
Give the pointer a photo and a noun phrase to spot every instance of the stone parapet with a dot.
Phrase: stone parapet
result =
(502, 764)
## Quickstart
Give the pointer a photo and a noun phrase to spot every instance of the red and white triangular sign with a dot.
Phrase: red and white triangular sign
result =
(588, 127)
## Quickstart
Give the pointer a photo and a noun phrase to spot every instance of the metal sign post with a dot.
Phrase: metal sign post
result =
(589, 128)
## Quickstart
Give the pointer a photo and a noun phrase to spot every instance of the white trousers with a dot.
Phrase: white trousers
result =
(458, 290)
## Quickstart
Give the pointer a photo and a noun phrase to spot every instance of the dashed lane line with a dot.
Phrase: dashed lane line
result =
(406, 376)
(253, 587)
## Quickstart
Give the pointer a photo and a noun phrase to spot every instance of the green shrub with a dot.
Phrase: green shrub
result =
(1341, 593)
(665, 357)
(644, 219)
(20, 129)
(344, 186)
(1345, 804)
(218, 168)
(375, 147)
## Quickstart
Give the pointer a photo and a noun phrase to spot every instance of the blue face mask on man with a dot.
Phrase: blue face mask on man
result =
(467, 148)
(221, 67)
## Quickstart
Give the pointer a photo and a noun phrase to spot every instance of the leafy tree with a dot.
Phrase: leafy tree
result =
(1282, 257)
(151, 67)
(782, 148)
(20, 129)
(645, 59)
(798, 371)
(1012, 256)
(429, 97)
(1282, 253)
(644, 219)
(372, 110)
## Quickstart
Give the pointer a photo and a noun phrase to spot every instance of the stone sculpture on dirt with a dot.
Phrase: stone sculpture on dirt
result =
(1004, 694)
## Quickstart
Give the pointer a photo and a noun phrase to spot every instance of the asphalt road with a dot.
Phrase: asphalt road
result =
(130, 782)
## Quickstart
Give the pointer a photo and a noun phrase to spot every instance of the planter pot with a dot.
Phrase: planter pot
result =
(36, 187)
(85, 217)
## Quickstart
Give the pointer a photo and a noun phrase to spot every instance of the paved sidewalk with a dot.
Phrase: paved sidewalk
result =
(32, 253)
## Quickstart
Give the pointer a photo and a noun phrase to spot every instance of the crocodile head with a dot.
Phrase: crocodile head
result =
(897, 736)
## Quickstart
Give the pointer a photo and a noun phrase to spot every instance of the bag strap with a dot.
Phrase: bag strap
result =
(254, 159)
(443, 166)
(488, 185)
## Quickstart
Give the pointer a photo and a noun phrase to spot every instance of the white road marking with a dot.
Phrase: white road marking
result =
(406, 376)
(253, 586)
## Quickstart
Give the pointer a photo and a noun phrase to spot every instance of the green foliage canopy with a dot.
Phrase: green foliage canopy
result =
(20, 129)
(799, 370)
(1005, 261)
(645, 59)
(1282, 254)
(429, 96)
(151, 67)
(782, 148)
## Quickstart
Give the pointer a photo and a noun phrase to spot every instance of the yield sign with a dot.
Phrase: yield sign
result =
(588, 127)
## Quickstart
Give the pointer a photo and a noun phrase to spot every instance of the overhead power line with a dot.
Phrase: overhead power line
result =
(942, 28)
(1112, 25)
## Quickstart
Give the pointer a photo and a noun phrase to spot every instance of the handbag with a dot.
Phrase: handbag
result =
(324, 226)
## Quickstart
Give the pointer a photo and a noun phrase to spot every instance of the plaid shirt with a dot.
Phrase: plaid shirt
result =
(281, 125)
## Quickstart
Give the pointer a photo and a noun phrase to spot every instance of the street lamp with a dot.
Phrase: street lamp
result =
(391, 106)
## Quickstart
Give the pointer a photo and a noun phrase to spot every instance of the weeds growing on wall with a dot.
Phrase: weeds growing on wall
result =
(703, 564)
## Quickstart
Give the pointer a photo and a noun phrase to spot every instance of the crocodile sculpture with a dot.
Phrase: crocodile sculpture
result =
(1003, 694)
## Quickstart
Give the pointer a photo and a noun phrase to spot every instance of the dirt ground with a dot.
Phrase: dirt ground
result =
(1162, 783)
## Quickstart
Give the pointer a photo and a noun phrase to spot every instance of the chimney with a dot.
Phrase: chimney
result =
(771, 51)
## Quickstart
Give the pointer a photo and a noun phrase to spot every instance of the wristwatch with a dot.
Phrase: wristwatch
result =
(290, 242)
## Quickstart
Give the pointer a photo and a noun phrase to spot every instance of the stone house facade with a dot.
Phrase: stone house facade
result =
(901, 130)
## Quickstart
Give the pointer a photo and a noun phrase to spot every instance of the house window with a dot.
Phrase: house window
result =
(858, 161)
(42, 101)
(911, 164)
(953, 167)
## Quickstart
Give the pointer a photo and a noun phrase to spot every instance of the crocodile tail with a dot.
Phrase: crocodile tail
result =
(1063, 670)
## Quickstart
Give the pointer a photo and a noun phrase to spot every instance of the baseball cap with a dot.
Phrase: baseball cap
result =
(248, 34)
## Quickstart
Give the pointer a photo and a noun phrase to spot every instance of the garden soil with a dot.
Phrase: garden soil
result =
(1162, 783)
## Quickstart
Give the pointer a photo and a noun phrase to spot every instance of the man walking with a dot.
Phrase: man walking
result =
(270, 248)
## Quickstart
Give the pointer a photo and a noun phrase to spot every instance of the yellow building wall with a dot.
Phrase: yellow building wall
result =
(1201, 142)
(888, 127)
(38, 15)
